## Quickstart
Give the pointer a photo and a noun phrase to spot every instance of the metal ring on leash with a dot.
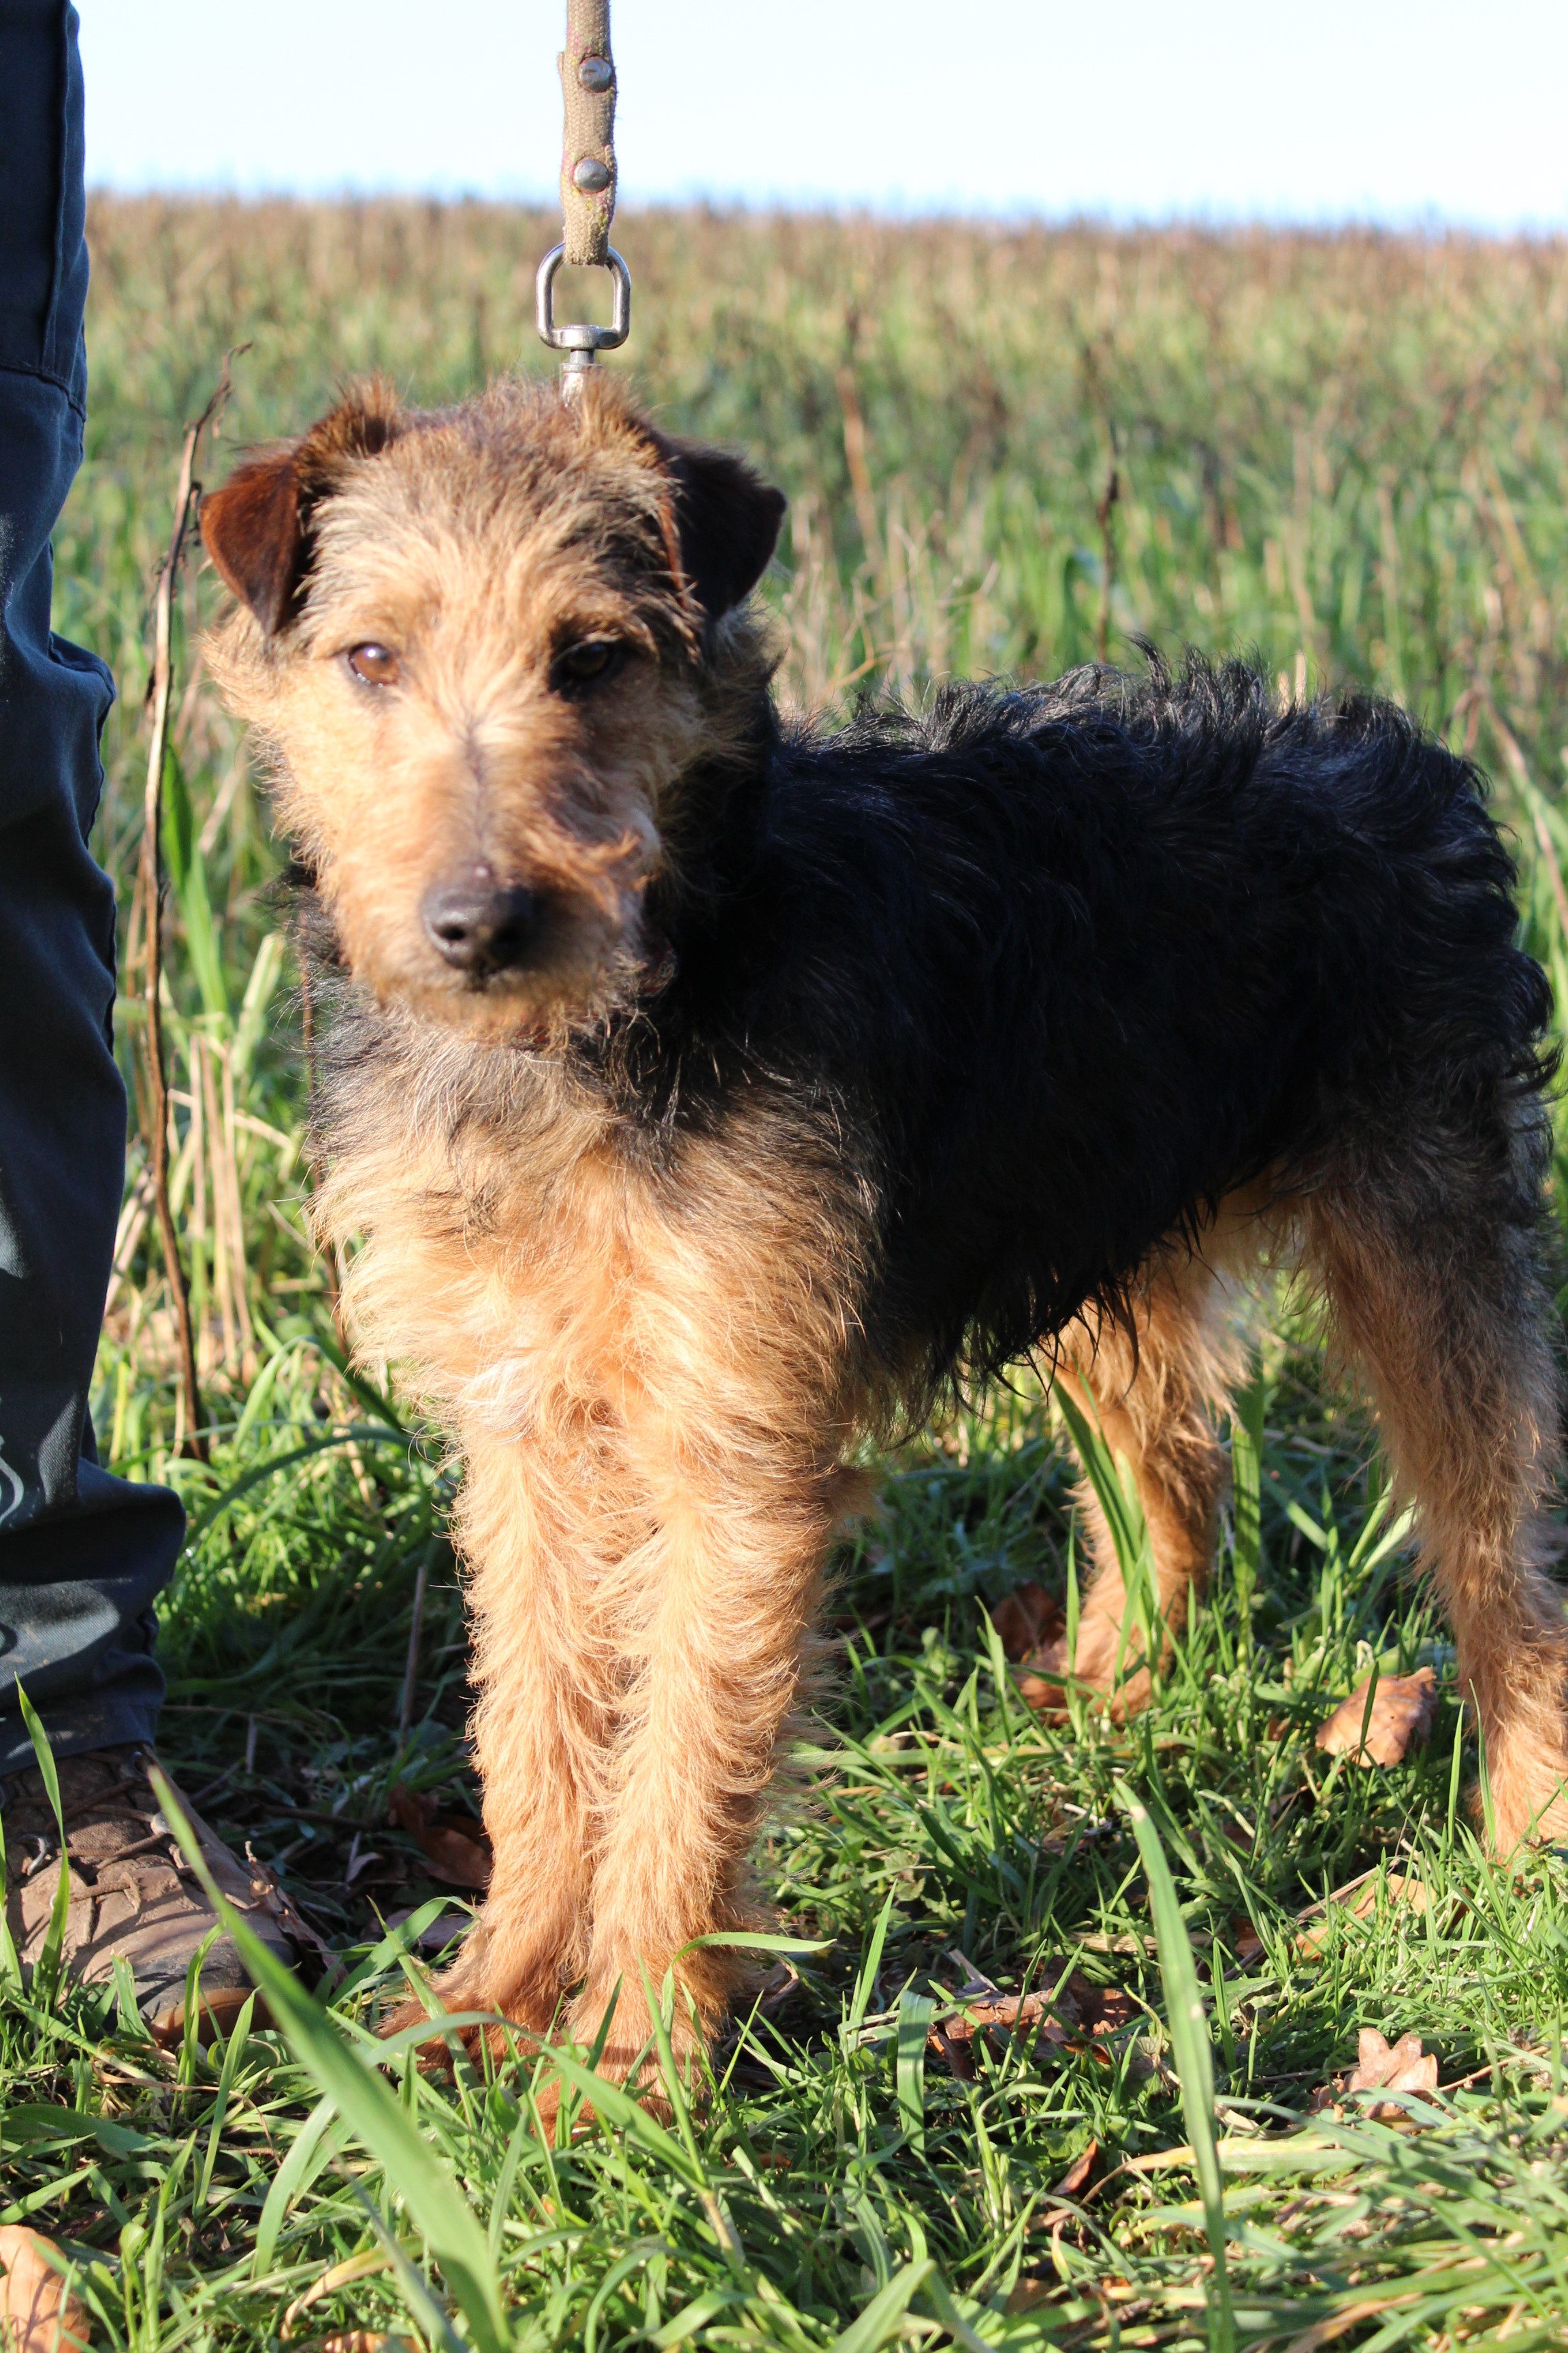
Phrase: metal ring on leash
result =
(580, 339)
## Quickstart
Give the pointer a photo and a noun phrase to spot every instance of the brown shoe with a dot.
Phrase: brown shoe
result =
(132, 1890)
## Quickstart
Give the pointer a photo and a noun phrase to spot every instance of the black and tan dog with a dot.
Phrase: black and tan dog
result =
(705, 1094)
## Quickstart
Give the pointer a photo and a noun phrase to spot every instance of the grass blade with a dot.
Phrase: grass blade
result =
(865, 1983)
(308, 2151)
(1194, 2061)
(883, 2317)
(915, 2012)
(1246, 1480)
(370, 2110)
(47, 1967)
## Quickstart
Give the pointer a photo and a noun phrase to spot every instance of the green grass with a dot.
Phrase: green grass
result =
(1348, 453)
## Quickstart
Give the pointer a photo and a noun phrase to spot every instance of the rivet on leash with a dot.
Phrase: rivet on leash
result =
(587, 194)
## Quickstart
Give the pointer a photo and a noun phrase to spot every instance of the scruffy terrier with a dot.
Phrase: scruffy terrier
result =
(706, 1095)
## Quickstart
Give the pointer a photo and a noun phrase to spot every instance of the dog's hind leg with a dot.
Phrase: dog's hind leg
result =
(1430, 1271)
(1154, 1401)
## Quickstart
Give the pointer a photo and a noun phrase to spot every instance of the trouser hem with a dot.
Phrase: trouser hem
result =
(75, 1729)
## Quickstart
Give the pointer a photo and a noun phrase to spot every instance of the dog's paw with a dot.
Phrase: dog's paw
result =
(528, 2011)
(631, 2054)
(1529, 1804)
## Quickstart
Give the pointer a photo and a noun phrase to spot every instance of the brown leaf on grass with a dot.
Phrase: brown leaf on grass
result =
(1027, 1621)
(1080, 2173)
(1107, 2011)
(453, 1845)
(39, 2313)
(1081, 2015)
(1383, 2066)
(1402, 1711)
(997, 2017)
(347, 2273)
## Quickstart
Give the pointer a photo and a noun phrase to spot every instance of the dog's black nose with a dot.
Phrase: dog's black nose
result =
(481, 926)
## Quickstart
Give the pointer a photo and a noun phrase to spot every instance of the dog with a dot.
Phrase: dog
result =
(706, 1096)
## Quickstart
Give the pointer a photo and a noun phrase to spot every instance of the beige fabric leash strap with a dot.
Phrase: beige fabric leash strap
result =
(588, 154)
(587, 196)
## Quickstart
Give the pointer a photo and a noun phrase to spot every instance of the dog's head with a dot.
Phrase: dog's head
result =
(483, 646)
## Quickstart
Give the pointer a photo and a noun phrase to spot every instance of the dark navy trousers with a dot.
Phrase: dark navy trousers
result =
(82, 1554)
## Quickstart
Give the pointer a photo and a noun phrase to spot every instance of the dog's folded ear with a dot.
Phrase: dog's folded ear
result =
(253, 531)
(256, 528)
(726, 523)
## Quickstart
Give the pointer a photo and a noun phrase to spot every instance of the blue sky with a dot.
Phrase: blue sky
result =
(1379, 110)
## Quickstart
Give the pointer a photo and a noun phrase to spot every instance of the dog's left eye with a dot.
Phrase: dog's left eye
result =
(585, 663)
(374, 665)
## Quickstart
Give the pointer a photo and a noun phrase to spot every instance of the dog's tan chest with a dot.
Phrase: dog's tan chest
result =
(548, 1277)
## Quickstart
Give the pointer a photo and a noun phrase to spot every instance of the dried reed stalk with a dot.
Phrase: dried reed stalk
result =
(188, 490)
(1104, 512)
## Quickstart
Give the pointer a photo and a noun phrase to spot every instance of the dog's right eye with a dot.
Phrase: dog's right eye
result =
(586, 663)
(374, 665)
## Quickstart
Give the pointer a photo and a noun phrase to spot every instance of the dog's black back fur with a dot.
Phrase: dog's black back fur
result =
(1059, 969)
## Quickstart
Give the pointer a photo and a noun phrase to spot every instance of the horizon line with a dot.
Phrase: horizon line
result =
(1424, 224)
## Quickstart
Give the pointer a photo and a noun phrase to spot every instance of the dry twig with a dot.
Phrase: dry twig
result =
(186, 493)
(1104, 512)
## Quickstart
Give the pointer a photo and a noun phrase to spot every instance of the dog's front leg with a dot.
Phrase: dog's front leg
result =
(728, 1586)
(529, 1530)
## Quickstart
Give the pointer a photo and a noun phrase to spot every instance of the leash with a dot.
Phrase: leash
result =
(587, 196)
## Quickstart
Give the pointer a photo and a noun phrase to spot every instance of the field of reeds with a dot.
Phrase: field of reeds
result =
(1009, 452)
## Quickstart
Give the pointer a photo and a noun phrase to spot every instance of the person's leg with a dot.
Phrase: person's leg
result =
(81, 1553)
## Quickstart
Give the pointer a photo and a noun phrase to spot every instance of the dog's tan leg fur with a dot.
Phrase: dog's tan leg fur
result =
(1446, 1319)
(1154, 1407)
(532, 1558)
(649, 1394)
(728, 1589)
(730, 1388)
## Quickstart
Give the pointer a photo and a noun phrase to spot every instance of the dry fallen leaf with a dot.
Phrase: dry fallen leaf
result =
(353, 2268)
(996, 2016)
(780, 1985)
(1107, 2011)
(39, 2313)
(1081, 2015)
(1383, 2066)
(1076, 2179)
(453, 1845)
(1402, 1712)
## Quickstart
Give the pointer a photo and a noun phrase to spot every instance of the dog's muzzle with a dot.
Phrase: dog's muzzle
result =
(480, 926)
